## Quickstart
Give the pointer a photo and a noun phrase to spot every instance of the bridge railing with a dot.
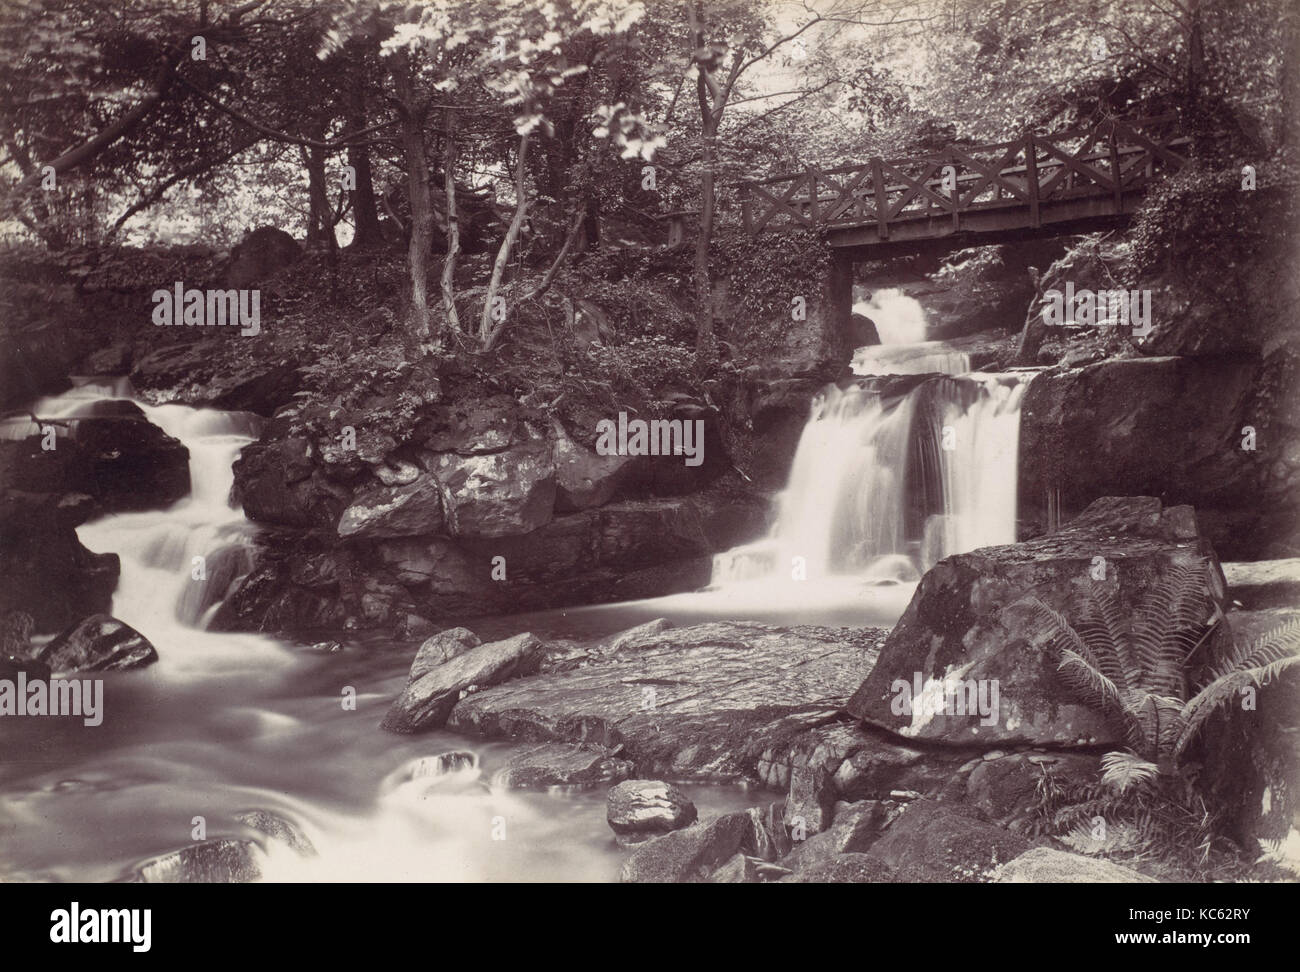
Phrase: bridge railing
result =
(1114, 158)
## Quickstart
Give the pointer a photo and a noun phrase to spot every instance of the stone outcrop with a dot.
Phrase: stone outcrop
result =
(971, 625)
(99, 643)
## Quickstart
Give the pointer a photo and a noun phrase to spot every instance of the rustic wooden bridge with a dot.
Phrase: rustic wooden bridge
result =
(1040, 185)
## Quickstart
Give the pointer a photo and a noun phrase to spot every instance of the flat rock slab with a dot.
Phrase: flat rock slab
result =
(700, 702)
(561, 764)
(1045, 865)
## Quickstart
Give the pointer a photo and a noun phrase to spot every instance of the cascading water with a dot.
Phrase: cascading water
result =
(226, 723)
(888, 477)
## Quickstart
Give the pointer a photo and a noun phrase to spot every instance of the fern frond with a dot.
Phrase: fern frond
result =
(1101, 626)
(1121, 771)
(1269, 647)
(1092, 687)
(1261, 661)
(1159, 721)
(1169, 623)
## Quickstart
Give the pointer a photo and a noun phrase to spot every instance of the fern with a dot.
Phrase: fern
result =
(1122, 771)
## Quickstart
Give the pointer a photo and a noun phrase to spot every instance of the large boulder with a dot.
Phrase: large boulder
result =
(99, 643)
(408, 510)
(1220, 433)
(221, 861)
(1046, 865)
(260, 254)
(47, 572)
(277, 482)
(121, 459)
(932, 842)
(427, 700)
(974, 646)
(584, 479)
(499, 494)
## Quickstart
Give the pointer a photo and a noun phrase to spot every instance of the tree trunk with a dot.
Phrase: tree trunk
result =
(417, 178)
(365, 215)
(453, 226)
(320, 223)
(486, 332)
(704, 338)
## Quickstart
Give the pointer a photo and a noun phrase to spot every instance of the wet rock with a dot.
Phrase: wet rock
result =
(47, 572)
(223, 861)
(278, 828)
(277, 482)
(811, 799)
(446, 568)
(1045, 865)
(444, 764)
(641, 808)
(123, 461)
(11, 665)
(99, 643)
(690, 855)
(931, 842)
(394, 511)
(427, 700)
(701, 702)
(500, 494)
(972, 625)
(441, 648)
(558, 764)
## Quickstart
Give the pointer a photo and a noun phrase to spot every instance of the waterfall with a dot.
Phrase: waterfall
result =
(884, 486)
(178, 564)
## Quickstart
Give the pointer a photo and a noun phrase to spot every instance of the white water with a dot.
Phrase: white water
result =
(881, 488)
(225, 723)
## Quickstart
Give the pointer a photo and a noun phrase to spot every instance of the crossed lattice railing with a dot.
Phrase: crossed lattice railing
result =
(1112, 159)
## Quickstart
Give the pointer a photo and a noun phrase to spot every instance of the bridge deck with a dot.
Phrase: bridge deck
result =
(1037, 185)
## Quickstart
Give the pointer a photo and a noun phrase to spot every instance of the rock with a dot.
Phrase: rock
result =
(500, 494)
(1264, 584)
(280, 829)
(811, 799)
(1005, 789)
(1168, 427)
(441, 648)
(473, 427)
(932, 842)
(11, 665)
(99, 643)
(739, 870)
(862, 330)
(843, 869)
(690, 855)
(561, 764)
(47, 572)
(699, 702)
(584, 479)
(123, 461)
(444, 764)
(222, 861)
(260, 254)
(641, 634)
(427, 700)
(1045, 865)
(642, 808)
(112, 360)
(394, 511)
(441, 564)
(971, 629)
(276, 482)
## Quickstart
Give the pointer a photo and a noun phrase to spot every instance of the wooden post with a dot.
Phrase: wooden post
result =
(1031, 180)
(882, 201)
(812, 196)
